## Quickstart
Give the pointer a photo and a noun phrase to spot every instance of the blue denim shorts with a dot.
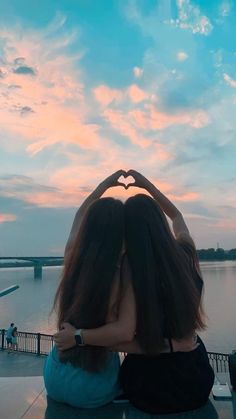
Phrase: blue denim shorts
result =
(75, 386)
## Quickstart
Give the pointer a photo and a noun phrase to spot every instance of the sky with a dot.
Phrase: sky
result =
(88, 87)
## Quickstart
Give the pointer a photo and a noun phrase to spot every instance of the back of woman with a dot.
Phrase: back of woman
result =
(167, 286)
(88, 376)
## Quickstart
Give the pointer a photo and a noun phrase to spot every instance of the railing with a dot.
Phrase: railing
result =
(34, 343)
(41, 344)
(219, 362)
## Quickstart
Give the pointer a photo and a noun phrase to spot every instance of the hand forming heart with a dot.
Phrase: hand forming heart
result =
(127, 180)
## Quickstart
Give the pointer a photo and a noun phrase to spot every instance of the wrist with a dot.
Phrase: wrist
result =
(79, 337)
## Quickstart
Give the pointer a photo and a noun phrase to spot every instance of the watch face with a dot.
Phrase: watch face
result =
(78, 340)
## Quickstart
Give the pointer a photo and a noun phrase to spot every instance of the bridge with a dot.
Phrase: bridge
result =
(37, 262)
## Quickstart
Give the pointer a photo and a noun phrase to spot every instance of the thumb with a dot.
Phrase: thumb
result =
(121, 184)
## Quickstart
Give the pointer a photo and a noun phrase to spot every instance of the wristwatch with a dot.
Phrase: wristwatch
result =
(79, 338)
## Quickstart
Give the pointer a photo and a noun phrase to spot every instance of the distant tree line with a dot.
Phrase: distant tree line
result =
(216, 254)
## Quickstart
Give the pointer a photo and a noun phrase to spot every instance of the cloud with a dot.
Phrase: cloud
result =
(186, 16)
(186, 197)
(190, 18)
(25, 188)
(53, 101)
(172, 117)
(136, 94)
(105, 95)
(225, 8)
(231, 82)
(120, 121)
(138, 72)
(26, 110)
(24, 70)
(182, 56)
(4, 218)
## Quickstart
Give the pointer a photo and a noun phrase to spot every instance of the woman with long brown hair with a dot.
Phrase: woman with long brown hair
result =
(89, 296)
(167, 368)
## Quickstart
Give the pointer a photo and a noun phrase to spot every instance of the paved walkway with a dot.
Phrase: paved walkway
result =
(19, 364)
(23, 396)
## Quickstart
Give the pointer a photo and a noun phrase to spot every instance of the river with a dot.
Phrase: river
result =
(29, 306)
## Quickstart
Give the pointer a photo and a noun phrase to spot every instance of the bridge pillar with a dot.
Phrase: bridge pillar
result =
(38, 271)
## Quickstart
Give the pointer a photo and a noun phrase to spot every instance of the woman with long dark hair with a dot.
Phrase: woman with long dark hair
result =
(89, 296)
(167, 368)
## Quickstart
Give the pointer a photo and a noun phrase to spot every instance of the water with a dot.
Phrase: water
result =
(30, 305)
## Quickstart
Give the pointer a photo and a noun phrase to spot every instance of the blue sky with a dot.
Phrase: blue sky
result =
(89, 87)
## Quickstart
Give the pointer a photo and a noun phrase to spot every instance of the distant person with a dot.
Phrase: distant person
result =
(9, 336)
(14, 345)
(167, 369)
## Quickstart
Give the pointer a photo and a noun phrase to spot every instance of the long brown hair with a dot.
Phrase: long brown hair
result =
(82, 298)
(166, 282)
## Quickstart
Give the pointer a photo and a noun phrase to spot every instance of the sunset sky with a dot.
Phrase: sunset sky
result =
(88, 87)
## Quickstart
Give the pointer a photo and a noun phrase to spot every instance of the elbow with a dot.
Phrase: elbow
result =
(178, 214)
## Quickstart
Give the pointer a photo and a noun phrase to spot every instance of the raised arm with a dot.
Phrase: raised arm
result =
(109, 182)
(179, 226)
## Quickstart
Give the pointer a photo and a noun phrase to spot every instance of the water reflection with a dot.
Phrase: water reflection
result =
(30, 306)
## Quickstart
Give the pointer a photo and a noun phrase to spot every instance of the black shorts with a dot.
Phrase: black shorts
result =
(168, 383)
(9, 340)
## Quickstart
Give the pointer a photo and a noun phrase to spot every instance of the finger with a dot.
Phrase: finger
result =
(131, 172)
(119, 173)
(120, 184)
(132, 184)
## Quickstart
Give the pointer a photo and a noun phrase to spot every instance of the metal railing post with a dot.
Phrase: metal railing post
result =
(38, 343)
(2, 344)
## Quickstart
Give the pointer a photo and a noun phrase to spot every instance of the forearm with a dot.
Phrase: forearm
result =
(166, 205)
(96, 194)
(108, 335)
(123, 328)
(178, 223)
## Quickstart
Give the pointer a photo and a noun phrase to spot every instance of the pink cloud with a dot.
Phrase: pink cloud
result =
(186, 197)
(121, 123)
(160, 120)
(150, 119)
(48, 107)
(63, 199)
(105, 95)
(136, 94)
(4, 218)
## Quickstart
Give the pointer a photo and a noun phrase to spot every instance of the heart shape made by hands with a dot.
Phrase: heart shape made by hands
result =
(127, 181)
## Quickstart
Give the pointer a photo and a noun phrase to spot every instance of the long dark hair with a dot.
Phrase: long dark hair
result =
(164, 275)
(82, 298)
